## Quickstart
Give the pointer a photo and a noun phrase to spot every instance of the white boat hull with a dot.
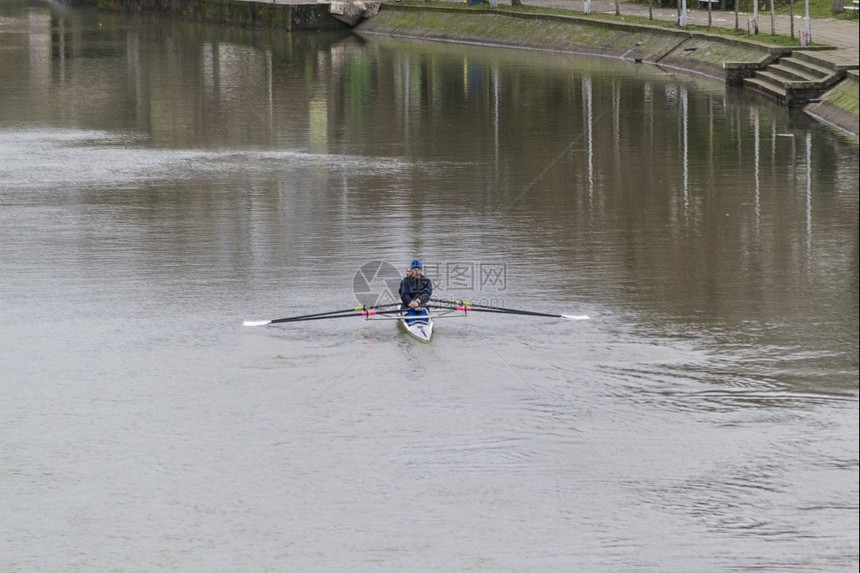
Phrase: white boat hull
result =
(419, 329)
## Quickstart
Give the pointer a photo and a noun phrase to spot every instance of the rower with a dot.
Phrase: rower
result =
(415, 290)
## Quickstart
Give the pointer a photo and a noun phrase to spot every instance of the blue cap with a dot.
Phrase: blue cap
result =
(416, 264)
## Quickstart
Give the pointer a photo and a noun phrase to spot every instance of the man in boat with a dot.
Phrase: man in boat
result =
(415, 290)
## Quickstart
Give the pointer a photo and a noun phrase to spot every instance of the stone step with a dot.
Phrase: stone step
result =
(787, 73)
(766, 87)
(812, 57)
(809, 69)
(790, 94)
(780, 77)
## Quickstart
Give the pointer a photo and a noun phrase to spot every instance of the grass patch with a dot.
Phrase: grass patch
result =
(844, 96)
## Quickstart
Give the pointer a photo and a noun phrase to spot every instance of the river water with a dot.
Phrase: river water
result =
(161, 182)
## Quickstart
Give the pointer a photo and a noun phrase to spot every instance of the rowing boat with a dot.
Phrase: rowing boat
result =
(420, 328)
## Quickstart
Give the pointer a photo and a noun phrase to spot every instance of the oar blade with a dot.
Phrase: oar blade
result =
(575, 316)
(256, 322)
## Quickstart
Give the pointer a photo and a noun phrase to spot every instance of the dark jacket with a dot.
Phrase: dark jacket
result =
(410, 289)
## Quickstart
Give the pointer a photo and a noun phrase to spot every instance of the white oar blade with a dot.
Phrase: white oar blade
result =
(575, 316)
(256, 322)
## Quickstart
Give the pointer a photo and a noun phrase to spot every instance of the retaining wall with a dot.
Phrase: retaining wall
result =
(701, 53)
(289, 17)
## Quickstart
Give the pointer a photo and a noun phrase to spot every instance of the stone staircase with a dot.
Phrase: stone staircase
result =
(796, 79)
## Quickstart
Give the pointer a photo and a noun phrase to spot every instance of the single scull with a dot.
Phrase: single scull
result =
(421, 328)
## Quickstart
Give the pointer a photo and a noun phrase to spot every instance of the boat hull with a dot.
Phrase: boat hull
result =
(419, 329)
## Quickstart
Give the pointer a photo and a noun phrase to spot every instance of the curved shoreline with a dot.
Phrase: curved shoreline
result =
(695, 52)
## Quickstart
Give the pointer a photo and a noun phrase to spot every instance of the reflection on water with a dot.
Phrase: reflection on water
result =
(162, 181)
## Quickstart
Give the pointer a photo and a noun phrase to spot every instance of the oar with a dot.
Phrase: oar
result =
(355, 311)
(469, 307)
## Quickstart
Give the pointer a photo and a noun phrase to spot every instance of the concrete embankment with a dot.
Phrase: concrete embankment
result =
(701, 53)
(839, 106)
(292, 16)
